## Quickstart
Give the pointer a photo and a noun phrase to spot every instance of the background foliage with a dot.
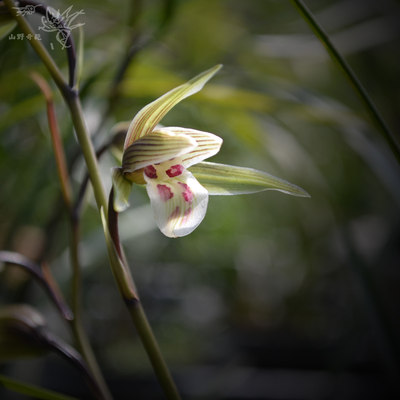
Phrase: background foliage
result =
(272, 296)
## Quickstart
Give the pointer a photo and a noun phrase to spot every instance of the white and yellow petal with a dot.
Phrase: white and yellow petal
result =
(149, 116)
(155, 148)
(207, 144)
(179, 203)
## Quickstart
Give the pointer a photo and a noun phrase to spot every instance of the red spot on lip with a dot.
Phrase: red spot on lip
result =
(150, 172)
(165, 192)
(175, 170)
(187, 193)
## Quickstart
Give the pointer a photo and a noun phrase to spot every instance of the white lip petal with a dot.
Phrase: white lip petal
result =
(179, 204)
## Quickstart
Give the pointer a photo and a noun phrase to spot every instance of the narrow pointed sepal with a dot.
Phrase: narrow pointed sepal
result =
(221, 179)
(122, 189)
(149, 116)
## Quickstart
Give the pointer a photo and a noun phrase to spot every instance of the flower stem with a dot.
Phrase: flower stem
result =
(86, 145)
(124, 278)
(134, 306)
(357, 85)
(151, 346)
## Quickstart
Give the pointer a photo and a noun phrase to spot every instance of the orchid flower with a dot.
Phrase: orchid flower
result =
(169, 161)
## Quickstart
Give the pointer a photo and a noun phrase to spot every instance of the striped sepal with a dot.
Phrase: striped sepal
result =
(149, 116)
(221, 179)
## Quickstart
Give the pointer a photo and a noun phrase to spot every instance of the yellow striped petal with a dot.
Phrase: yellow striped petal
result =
(149, 116)
(155, 148)
(208, 144)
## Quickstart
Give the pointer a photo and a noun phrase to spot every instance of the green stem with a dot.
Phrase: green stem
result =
(129, 294)
(123, 275)
(87, 148)
(135, 309)
(151, 346)
(357, 85)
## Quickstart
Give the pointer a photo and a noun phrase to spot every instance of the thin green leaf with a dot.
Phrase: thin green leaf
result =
(148, 117)
(351, 76)
(222, 179)
(32, 391)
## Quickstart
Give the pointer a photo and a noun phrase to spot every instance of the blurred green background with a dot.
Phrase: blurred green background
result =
(272, 297)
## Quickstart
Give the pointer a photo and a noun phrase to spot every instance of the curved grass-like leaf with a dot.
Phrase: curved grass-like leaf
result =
(222, 179)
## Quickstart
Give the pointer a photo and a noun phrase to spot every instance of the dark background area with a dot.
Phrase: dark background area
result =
(272, 297)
